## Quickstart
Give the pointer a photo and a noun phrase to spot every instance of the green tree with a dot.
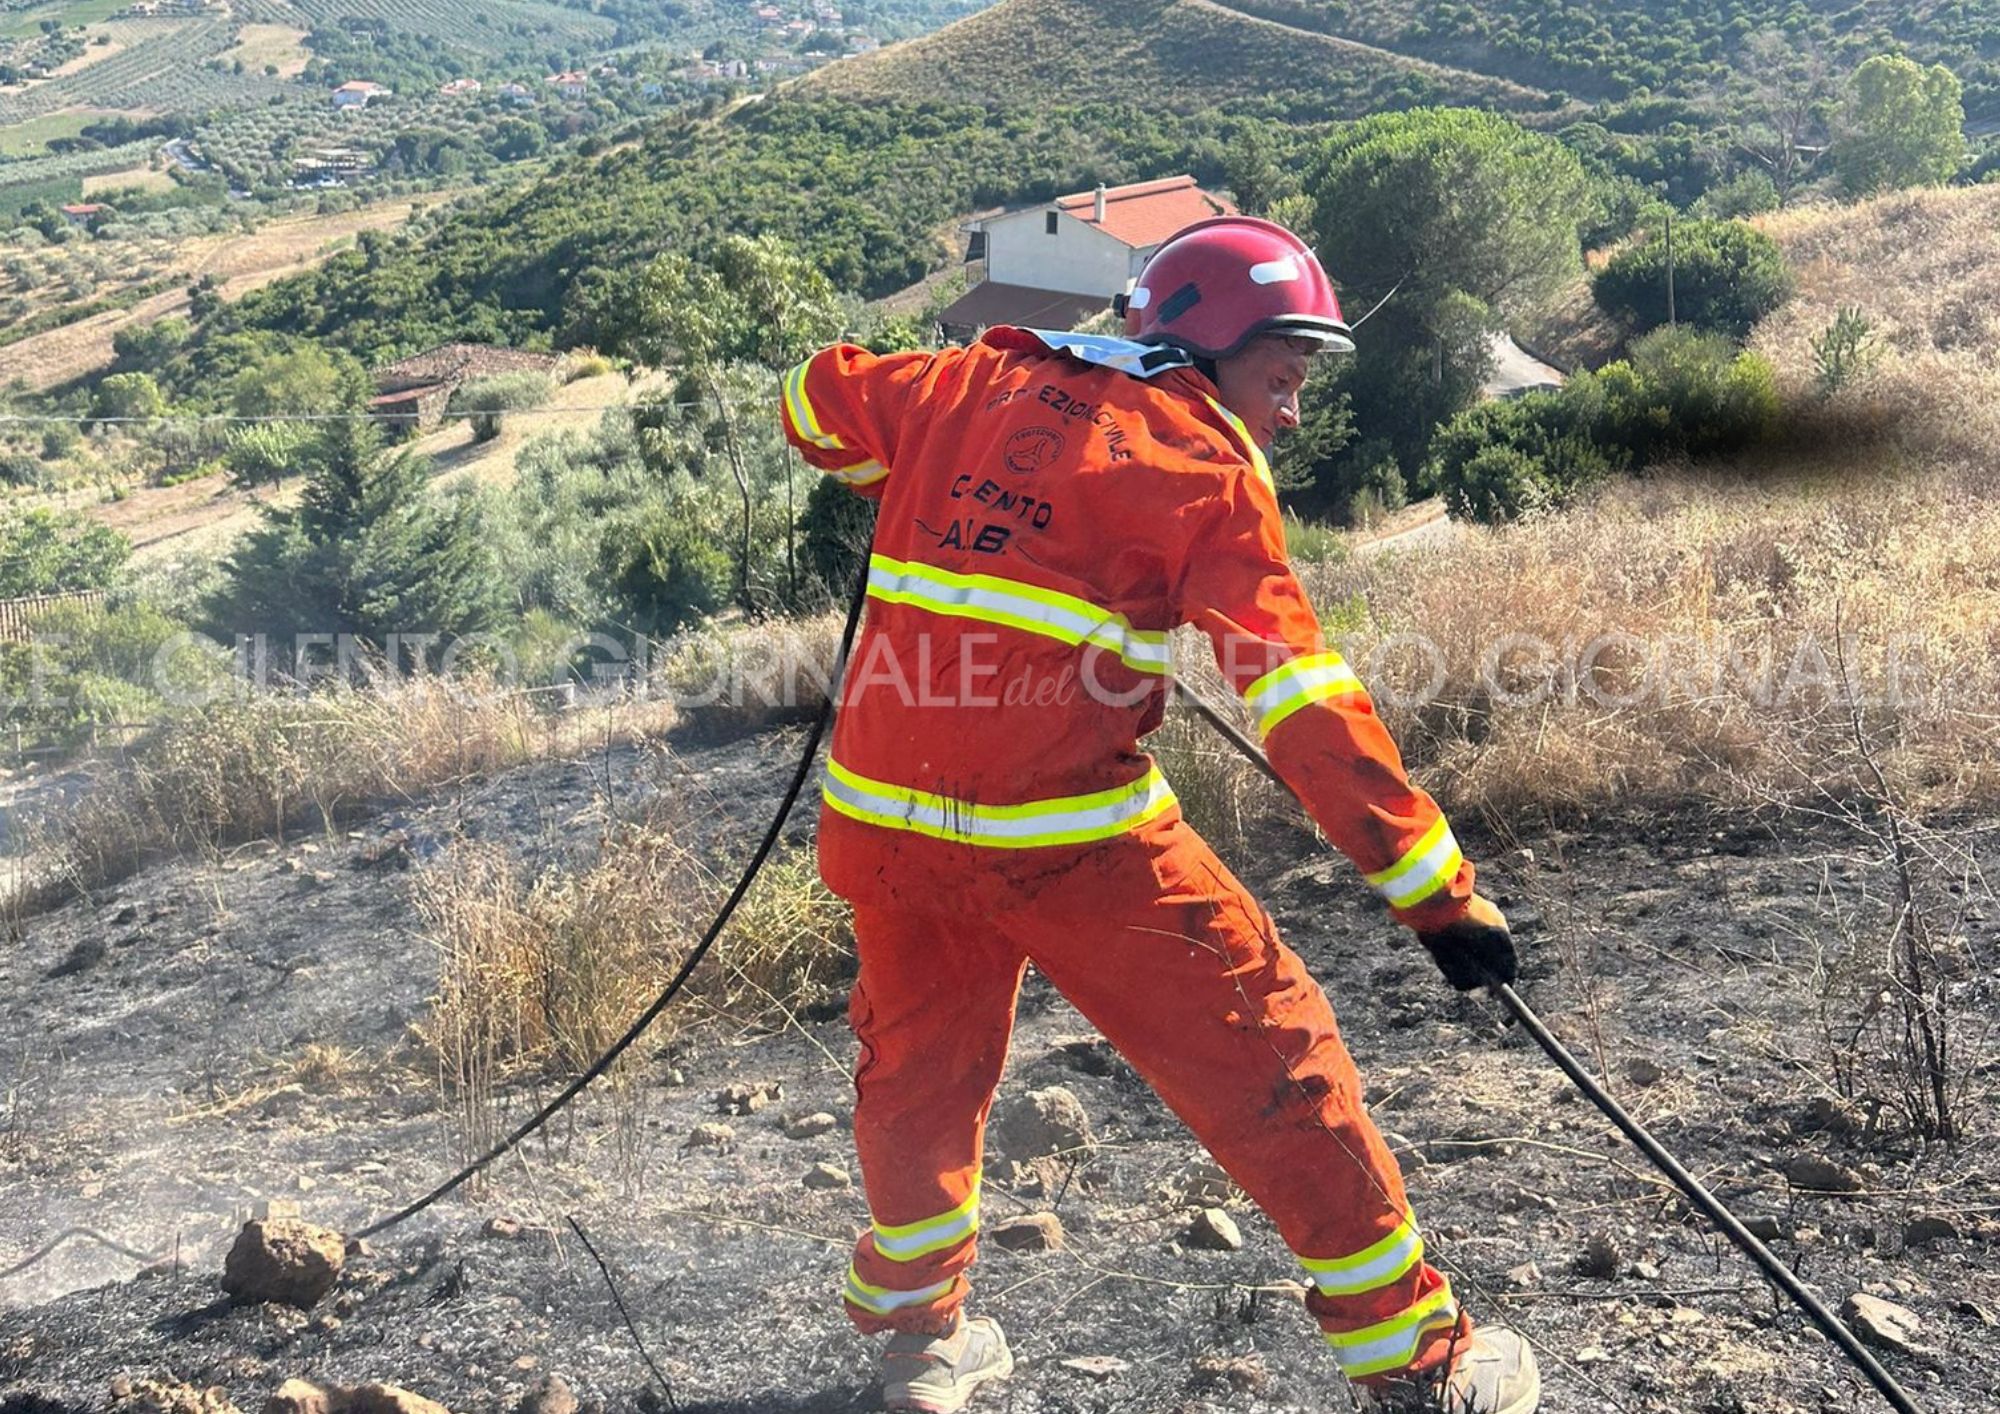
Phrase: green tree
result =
(754, 300)
(128, 395)
(1727, 276)
(366, 552)
(304, 378)
(43, 551)
(1461, 220)
(1905, 127)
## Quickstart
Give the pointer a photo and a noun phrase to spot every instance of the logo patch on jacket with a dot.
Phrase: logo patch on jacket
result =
(1033, 448)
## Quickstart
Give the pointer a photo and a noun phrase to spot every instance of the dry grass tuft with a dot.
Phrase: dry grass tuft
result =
(541, 974)
(262, 765)
(733, 682)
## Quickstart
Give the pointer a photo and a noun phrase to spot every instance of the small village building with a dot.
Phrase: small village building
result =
(413, 392)
(1054, 265)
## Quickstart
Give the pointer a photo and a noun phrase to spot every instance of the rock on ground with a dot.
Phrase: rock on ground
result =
(283, 1260)
(1040, 1123)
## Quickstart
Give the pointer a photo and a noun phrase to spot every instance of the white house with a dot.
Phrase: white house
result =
(358, 93)
(1064, 261)
(572, 84)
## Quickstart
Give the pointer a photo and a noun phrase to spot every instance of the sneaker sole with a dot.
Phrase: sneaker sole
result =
(960, 1396)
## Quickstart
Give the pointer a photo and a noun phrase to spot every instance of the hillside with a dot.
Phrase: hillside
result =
(1924, 268)
(1186, 54)
(1606, 51)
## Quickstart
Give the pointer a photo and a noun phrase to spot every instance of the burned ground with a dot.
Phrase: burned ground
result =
(160, 1082)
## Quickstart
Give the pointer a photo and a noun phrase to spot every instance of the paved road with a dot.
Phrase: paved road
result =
(1516, 372)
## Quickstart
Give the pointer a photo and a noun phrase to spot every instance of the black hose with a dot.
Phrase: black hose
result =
(1781, 1276)
(665, 999)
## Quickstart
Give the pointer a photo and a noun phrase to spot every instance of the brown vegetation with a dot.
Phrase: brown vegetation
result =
(271, 763)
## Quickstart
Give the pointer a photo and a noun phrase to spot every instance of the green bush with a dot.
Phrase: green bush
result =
(1726, 278)
(838, 527)
(43, 551)
(667, 571)
(1682, 393)
(483, 400)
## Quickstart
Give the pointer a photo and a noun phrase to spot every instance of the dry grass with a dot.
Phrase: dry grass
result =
(737, 679)
(1670, 576)
(1924, 266)
(541, 974)
(267, 764)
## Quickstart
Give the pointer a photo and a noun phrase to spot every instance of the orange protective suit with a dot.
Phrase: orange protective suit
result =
(1051, 507)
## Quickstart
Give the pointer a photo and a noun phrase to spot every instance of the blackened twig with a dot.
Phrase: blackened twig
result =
(666, 1388)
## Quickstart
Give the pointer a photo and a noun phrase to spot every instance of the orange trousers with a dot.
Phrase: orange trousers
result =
(1157, 945)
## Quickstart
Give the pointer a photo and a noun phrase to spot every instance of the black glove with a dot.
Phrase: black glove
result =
(1475, 950)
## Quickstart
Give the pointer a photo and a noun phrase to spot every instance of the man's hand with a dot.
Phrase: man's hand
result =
(1475, 950)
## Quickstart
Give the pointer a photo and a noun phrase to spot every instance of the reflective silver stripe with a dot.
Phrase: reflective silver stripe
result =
(1285, 689)
(1071, 819)
(1028, 607)
(800, 409)
(1391, 1344)
(908, 1241)
(882, 1300)
(861, 474)
(1370, 1269)
(1431, 864)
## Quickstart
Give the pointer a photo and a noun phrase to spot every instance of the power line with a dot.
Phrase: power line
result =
(234, 418)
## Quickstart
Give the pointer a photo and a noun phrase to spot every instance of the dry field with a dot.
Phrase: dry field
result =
(282, 45)
(239, 264)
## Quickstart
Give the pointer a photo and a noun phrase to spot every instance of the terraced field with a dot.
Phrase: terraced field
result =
(159, 69)
(491, 27)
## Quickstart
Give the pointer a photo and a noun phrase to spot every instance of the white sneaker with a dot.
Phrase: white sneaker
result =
(938, 1374)
(1494, 1374)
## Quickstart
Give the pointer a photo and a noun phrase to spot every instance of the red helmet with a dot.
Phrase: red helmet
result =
(1215, 285)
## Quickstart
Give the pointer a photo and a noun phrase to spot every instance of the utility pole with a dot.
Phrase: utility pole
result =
(1670, 270)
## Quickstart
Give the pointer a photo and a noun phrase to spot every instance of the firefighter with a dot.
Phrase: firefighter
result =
(1052, 506)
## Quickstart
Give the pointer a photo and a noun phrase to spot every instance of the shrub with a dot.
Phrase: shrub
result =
(667, 571)
(483, 400)
(1843, 351)
(579, 366)
(838, 528)
(1726, 278)
(43, 551)
(264, 452)
(1682, 393)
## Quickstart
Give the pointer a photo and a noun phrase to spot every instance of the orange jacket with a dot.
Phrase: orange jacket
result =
(1047, 518)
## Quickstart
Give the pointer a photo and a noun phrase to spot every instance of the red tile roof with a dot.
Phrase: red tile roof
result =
(989, 302)
(1146, 213)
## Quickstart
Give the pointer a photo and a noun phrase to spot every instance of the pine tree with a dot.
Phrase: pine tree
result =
(367, 552)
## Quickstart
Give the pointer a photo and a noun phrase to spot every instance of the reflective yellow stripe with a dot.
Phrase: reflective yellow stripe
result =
(1431, 864)
(882, 1300)
(1392, 1344)
(1250, 447)
(1070, 819)
(862, 474)
(919, 1239)
(1371, 1269)
(1285, 689)
(1013, 604)
(800, 409)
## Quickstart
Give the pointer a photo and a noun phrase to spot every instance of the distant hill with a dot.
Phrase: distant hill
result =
(1180, 54)
(1338, 58)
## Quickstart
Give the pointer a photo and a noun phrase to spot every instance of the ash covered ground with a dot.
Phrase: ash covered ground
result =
(149, 1040)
